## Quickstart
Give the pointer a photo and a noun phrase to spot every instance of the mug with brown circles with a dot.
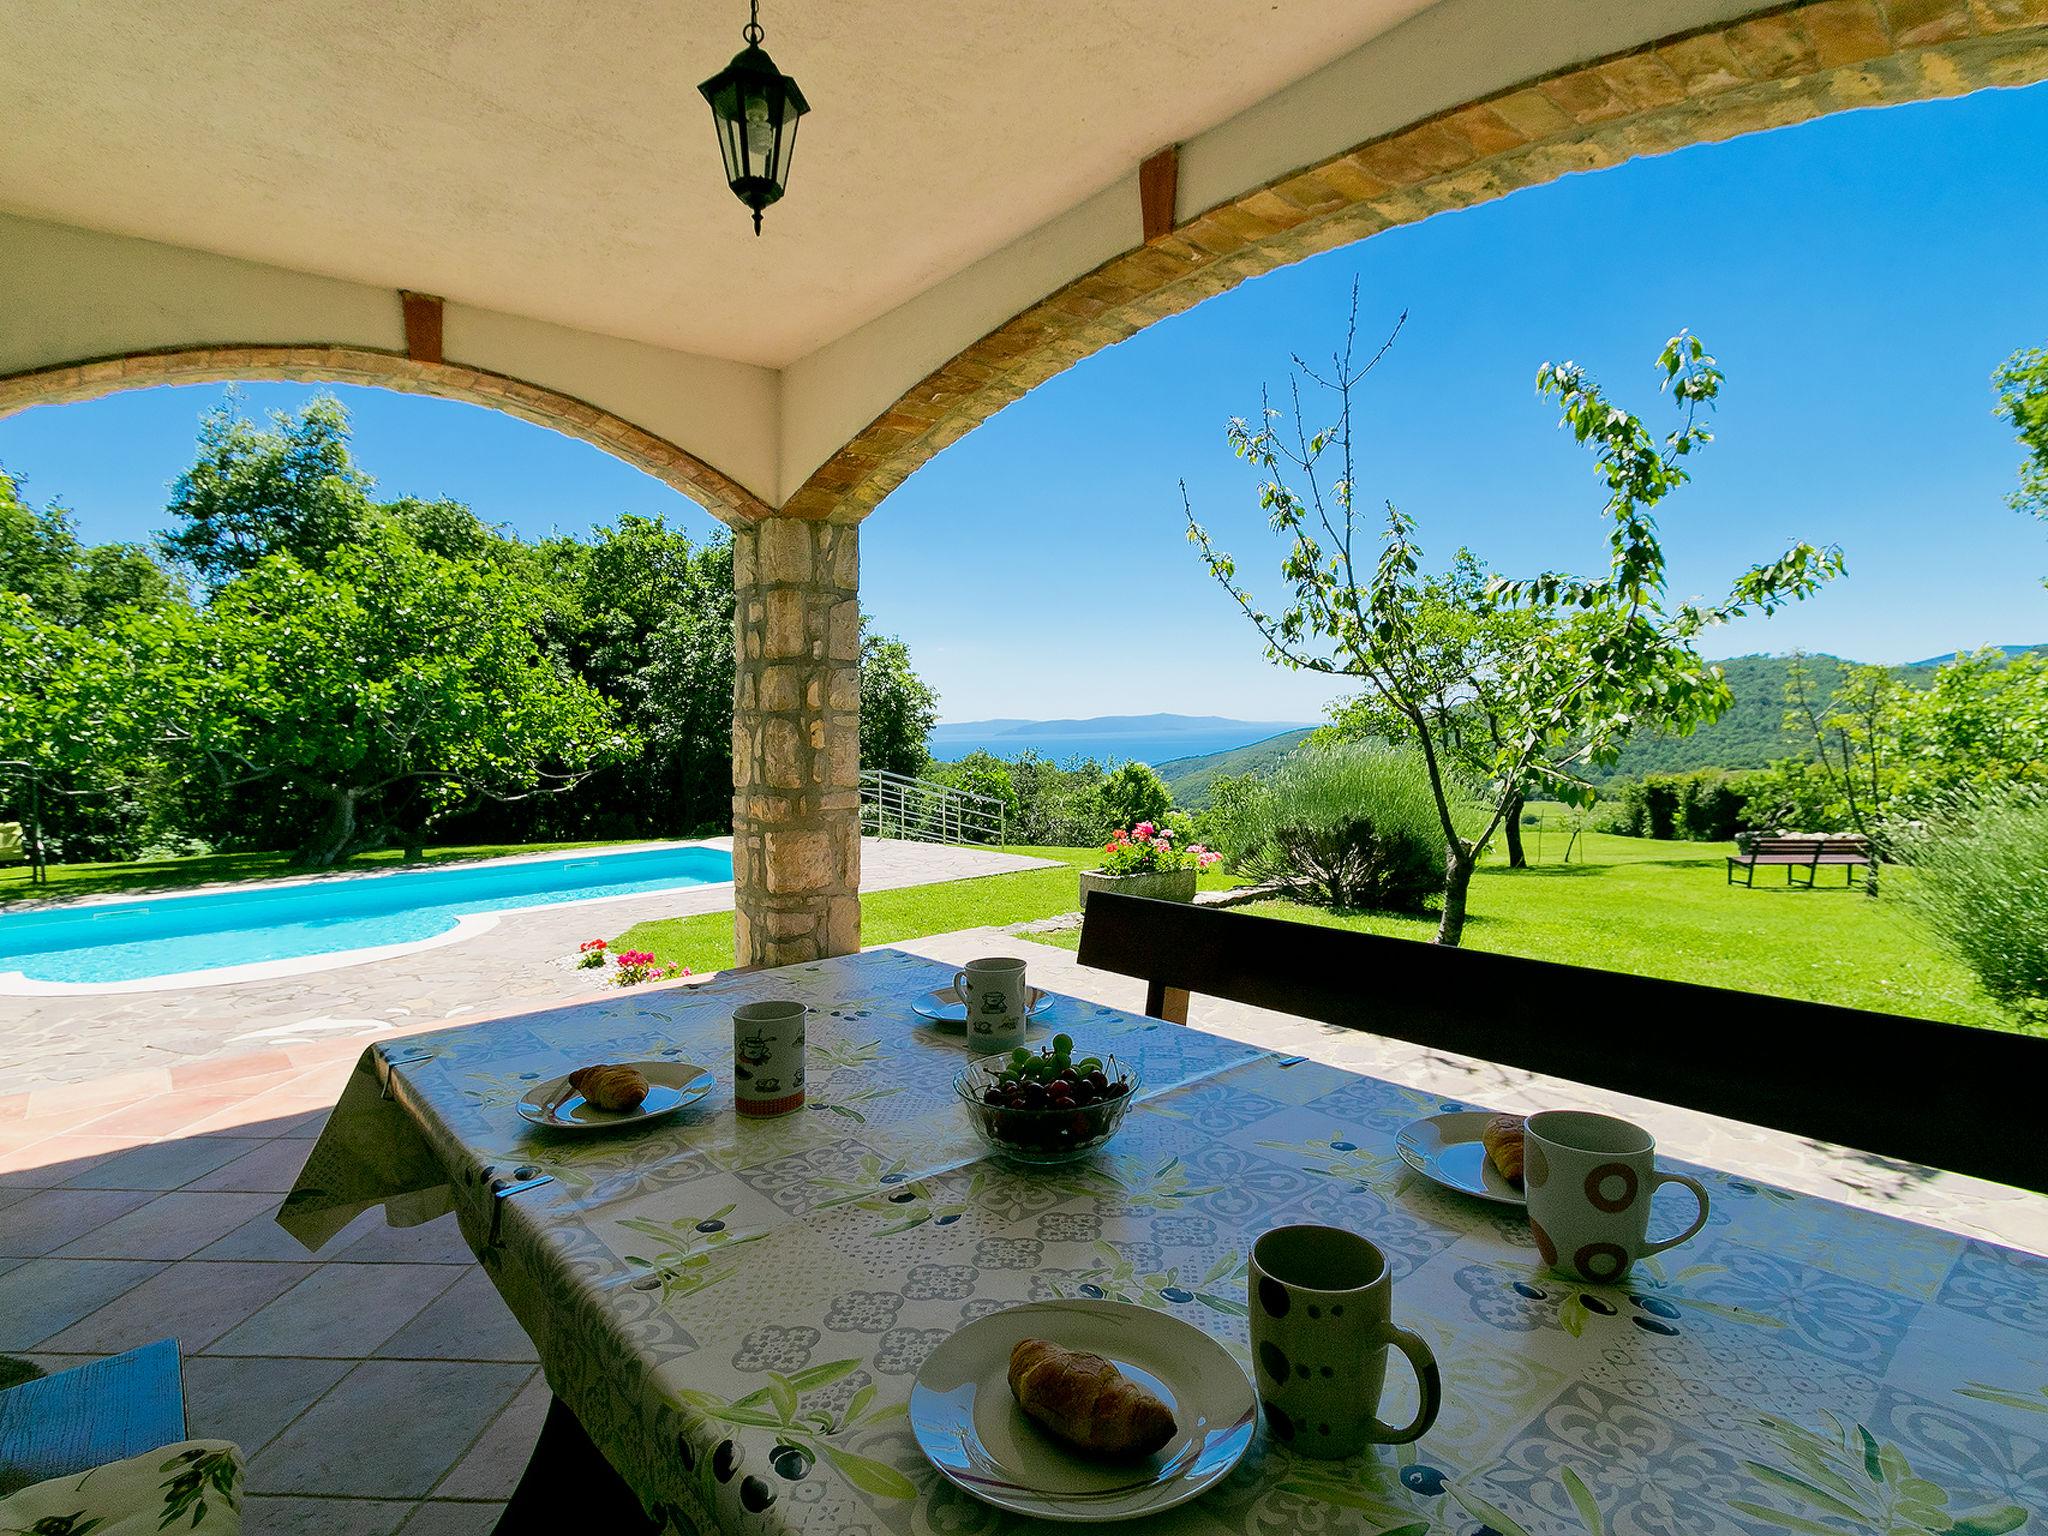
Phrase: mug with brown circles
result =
(1589, 1179)
(1321, 1324)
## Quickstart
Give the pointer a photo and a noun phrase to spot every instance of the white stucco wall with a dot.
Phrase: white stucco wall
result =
(1446, 55)
(68, 295)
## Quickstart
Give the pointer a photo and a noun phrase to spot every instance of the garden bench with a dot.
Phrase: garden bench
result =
(1802, 852)
(1937, 1094)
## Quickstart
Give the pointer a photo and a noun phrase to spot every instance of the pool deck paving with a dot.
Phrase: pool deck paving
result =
(525, 960)
(380, 1385)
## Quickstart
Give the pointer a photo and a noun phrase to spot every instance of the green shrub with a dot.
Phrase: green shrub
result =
(1350, 825)
(1981, 886)
(1231, 820)
(1134, 792)
(1707, 805)
(1793, 795)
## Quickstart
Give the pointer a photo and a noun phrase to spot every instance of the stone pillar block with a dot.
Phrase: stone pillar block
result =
(796, 740)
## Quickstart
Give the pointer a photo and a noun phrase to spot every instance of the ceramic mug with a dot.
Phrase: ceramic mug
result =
(1589, 1179)
(768, 1058)
(995, 996)
(1321, 1320)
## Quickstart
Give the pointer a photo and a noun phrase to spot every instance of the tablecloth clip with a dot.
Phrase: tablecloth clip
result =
(503, 1189)
(394, 1059)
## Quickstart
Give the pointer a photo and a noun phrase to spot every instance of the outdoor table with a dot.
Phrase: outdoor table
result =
(735, 1310)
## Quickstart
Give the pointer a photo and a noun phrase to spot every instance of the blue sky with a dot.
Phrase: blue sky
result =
(1859, 278)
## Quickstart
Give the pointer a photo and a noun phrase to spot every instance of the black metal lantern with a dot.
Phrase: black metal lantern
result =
(755, 106)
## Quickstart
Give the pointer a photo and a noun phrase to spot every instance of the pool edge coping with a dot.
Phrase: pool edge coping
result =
(722, 842)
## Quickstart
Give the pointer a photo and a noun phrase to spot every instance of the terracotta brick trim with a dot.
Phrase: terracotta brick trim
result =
(323, 363)
(1778, 66)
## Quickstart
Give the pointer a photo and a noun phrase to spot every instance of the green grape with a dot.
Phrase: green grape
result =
(1063, 1045)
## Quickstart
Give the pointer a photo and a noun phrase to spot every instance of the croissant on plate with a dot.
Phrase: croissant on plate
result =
(1086, 1401)
(608, 1087)
(1502, 1138)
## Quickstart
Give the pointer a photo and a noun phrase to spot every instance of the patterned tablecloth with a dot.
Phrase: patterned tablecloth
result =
(735, 1310)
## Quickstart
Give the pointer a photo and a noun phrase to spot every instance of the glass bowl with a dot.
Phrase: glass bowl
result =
(1045, 1135)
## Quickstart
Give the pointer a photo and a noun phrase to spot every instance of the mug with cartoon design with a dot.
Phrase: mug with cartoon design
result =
(996, 1000)
(1321, 1302)
(1589, 1179)
(768, 1058)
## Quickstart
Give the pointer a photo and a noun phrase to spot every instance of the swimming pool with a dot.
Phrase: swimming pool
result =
(331, 921)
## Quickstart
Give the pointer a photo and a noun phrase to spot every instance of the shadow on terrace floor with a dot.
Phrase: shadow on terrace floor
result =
(375, 1386)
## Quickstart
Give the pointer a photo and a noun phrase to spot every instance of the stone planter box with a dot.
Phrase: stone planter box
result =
(1166, 885)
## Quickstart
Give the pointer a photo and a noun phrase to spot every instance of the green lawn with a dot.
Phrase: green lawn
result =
(204, 869)
(704, 942)
(1665, 909)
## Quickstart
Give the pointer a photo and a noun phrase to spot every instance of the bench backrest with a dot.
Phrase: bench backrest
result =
(1806, 847)
(1941, 1094)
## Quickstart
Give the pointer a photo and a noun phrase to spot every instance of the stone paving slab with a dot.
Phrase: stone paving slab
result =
(526, 961)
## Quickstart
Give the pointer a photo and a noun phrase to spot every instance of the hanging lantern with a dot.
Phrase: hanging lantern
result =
(754, 107)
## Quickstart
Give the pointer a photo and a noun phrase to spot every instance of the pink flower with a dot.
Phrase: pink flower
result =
(1142, 830)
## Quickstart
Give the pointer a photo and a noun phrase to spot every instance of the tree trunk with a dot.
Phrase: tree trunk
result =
(1512, 822)
(1458, 865)
(337, 829)
(415, 845)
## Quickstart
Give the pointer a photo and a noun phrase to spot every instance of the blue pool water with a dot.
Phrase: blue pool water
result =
(134, 940)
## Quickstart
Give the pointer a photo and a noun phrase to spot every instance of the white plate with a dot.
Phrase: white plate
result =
(1445, 1149)
(945, 1009)
(966, 1420)
(670, 1086)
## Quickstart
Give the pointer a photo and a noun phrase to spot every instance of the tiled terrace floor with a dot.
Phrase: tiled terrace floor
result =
(380, 1384)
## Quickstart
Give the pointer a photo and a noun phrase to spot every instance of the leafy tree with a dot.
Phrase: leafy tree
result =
(252, 493)
(73, 715)
(1576, 691)
(644, 614)
(1854, 734)
(1473, 698)
(390, 679)
(1980, 726)
(897, 707)
(69, 582)
(2022, 385)
(1133, 792)
(1883, 752)
(980, 773)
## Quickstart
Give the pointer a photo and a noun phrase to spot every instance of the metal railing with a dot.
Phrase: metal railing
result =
(894, 805)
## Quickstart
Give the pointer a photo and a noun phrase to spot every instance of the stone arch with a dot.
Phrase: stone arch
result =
(1778, 67)
(324, 363)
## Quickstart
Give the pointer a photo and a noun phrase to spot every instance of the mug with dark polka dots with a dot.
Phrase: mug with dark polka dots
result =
(1589, 1179)
(1321, 1321)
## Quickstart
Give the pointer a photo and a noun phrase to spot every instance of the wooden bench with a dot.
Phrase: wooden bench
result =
(1802, 852)
(112, 1409)
(1945, 1095)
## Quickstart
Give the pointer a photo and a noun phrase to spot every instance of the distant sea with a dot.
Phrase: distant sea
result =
(1129, 747)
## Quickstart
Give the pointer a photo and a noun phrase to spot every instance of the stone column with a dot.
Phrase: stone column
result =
(796, 740)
